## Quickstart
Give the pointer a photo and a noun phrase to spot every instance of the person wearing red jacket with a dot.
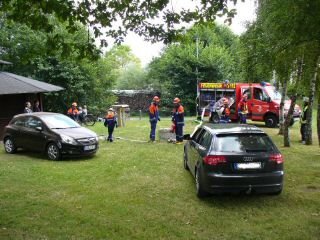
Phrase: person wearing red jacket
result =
(178, 119)
(154, 117)
(243, 109)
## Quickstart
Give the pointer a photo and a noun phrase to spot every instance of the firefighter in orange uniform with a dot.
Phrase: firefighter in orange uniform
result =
(243, 109)
(154, 117)
(178, 119)
(73, 112)
(225, 112)
(110, 121)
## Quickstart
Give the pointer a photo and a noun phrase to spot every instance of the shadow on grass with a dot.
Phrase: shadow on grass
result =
(42, 157)
(243, 201)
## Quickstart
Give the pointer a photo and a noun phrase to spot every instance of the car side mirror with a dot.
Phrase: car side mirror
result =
(39, 129)
(186, 137)
(268, 99)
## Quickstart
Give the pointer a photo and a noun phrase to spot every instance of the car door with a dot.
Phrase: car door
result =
(193, 152)
(204, 144)
(258, 104)
(33, 136)
(15, 130)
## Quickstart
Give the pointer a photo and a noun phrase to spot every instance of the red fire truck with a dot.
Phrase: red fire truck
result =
(263, 101)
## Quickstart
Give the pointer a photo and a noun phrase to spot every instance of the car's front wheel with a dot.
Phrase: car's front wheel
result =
(201, 193)
(53, 151)
(9, 145)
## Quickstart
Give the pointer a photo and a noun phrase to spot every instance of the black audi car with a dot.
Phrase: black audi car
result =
(233, 158)
(52, 133)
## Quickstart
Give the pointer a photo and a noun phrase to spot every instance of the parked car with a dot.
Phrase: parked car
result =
(233, 158)
(52, 133)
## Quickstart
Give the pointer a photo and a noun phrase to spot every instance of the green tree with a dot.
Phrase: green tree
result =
(285, 33)
(132, 77)
(59, 57)
(138, 16)
(179, 69)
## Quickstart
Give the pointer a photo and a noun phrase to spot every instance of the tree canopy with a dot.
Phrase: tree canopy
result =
(155, 20)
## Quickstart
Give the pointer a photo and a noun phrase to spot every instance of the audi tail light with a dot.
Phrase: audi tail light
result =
(214, 160)
(276, 158)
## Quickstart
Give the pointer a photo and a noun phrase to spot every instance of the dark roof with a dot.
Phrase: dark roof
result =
(14, 84)
(5, 62)
(232, 128)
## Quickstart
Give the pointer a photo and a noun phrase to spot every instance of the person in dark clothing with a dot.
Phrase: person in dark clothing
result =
(110, 121)
(27, 108)
(178, 119)
(303, 119)
(154, 117)
(36, 106)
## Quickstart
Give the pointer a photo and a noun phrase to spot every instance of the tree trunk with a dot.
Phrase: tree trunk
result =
(286, 135)
(311, 100)
(283, 97)
(318, 119)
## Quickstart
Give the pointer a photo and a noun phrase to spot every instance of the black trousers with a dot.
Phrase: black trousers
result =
(303, 131)
(110, 132)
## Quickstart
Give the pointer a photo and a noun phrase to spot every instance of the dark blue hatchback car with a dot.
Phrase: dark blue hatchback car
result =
(233, 158)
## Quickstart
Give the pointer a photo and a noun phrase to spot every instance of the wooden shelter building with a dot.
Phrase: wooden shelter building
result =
(15, 91)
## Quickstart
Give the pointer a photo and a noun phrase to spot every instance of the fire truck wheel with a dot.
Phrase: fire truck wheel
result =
(215, 118)
(271, 121)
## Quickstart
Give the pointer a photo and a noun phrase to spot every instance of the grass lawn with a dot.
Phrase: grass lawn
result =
(136, 190)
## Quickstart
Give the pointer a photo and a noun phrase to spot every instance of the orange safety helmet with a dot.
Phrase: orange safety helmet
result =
(156, 99)
(176, 100)
(74, 104)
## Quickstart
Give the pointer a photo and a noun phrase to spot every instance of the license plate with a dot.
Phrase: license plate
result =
(252, 165)
(90, 147)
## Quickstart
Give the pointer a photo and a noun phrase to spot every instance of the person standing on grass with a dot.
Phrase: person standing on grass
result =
(303, 119)
(225, 116)
(243, 109)
(110, 121)
(178, 119)
(154, 117)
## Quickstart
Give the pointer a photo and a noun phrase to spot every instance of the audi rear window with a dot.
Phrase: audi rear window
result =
(249, 142)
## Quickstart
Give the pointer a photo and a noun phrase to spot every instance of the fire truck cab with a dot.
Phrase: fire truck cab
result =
(263, 101)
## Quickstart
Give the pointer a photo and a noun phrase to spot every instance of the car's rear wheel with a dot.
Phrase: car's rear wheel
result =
(185, 159)
(9, 146)
(53, 151)
(201, 193)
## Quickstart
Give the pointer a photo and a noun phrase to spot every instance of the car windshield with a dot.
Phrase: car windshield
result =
(273, 93)
(244, 143)
(59, 121)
